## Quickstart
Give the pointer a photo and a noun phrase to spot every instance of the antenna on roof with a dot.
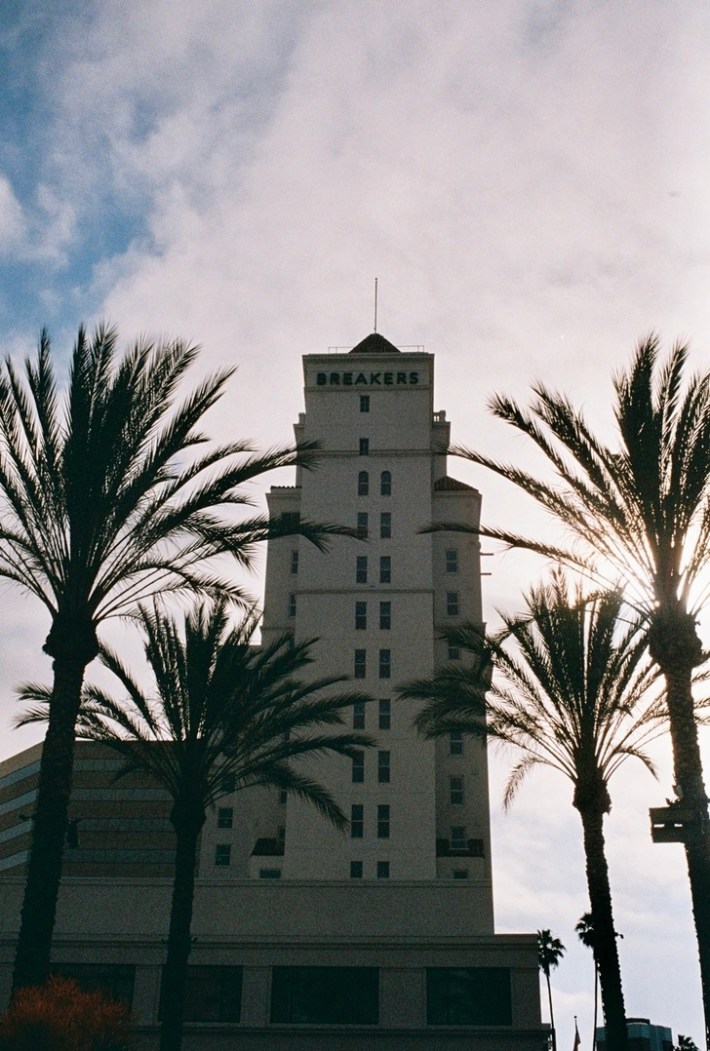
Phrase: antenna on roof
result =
(375, 328)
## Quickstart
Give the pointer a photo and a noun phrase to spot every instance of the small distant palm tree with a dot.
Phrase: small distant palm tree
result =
(105, 500)
(218, 708)
(571, 693)
(685, 1043)
(549, 953)
(585, 933)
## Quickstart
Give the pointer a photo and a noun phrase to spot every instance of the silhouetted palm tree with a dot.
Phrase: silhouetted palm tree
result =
(585, 933)
(105, 500)
(642, 512)
(571, 695)
(217, 707)
(549, 953)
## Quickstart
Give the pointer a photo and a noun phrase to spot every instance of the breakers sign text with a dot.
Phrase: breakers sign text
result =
(367, 379)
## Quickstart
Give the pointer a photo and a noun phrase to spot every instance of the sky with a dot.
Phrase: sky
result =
(528, 181)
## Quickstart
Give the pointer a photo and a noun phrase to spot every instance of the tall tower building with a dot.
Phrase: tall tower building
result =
(377, 605)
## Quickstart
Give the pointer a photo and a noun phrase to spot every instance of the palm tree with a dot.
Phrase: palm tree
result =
(586, 934)
(106, 500)
(218, 708)
(572, 696)
(549, 953)
(641, 511)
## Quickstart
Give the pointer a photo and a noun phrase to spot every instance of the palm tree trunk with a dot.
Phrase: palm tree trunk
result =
(187, 830)
(675, 646)
(553, 1035)
(49, 827)
(604, 934)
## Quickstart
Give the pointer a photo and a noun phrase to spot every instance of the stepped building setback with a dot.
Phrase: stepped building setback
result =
(305, 937)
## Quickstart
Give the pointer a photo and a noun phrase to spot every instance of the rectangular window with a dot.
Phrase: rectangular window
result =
(223, 854)
(468, 996)
(452, 603)
(385, 616)
(362, 524)
(364, 403)
(228, 783)
(357, 821)
(363, 483)
(292, 605)
(451, 561)
(383, 768)
(460, 873)
(385, 713)
(385, 569)
(225, 817)
(115, 979)
(359, 715)
(453, 652)
(269, 873)
(212, 994)
(386, 483)
(360, 664)
(361, 569)
(283, 796)
(294, 561)
(325, 995)
(456, 791)
(386, 525)
(355, 870)
(458, 837)
(456, 742)
(360, 616)
(383, 821)
(358, 768)
(385, 667)
(364, 447)
(383, 870)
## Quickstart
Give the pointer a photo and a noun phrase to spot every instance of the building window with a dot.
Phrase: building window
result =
(385, 666)
(385, 616)
(294, 561)
(228, 783)
(452, 603)
(386, 483)
(456, 742)
(223, 854)
(355, 870)
(212, 994)
(383, 768)
(283, 796)
(383, 821)
(468, 996)
(458, 837)
(456, 791)
(386, 525)
(359, 715)
(385, 569)
(451, 561)
(360, 616)
(292, 605)
(363, 483)
(460, 874)
(385, 711)
(453, 652)
(383, 870)
(358, 768)
(362, 524)
(325, 995)
(364, 447)
(225, 817)
(357, 821)
(361, 569)
(269, 873)
(364, 403)
(116, 980)
(360, 664)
